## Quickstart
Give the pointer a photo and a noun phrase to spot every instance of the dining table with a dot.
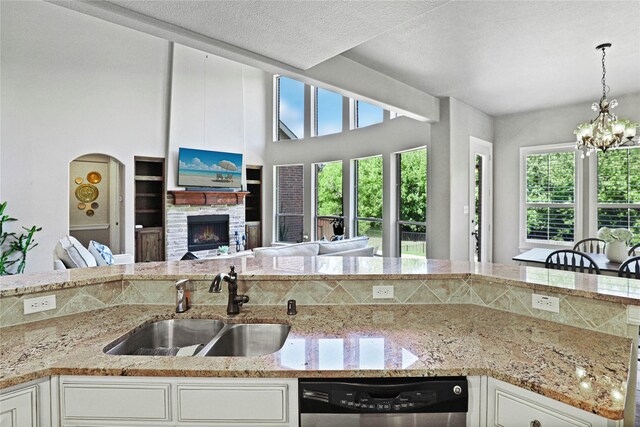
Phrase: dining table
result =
(536, 257)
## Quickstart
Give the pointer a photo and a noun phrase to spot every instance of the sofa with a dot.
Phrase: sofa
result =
(70, 253)
(357, 247)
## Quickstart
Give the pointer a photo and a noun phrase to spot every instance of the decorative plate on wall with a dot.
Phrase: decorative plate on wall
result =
(87, 193)
(90, 212)
(81, 205)
(95, 205)
(79, 180)
(94, 177)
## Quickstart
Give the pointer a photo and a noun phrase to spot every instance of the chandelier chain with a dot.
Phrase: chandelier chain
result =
(605, 88)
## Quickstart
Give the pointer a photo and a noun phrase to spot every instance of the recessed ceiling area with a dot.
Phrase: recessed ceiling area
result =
(297, 33)
(511, 56)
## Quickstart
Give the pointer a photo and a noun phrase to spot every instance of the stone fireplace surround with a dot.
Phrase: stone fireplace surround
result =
(176, 226)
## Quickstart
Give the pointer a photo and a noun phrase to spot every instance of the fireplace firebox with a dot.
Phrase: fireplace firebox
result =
(207, 232)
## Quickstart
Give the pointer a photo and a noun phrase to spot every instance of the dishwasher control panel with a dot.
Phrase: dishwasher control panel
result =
(384, 395)
(404, 401)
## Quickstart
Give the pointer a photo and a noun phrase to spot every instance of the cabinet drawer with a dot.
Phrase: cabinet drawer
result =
(510, 408)
(107, 401)
(229, 404)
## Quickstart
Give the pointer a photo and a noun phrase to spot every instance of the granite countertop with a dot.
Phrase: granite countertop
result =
(615, 289)
(582, 368)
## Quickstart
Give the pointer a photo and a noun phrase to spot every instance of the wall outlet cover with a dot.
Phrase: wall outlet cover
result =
(384, 291)
(36, 305)
(546, 303)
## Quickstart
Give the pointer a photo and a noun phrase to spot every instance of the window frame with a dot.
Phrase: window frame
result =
(353, 114)
(276, 109)
(316, 217)
(593, 193)
(276, 213)
(398, 185)
(355, 217)
(315, 109)
(577, 194)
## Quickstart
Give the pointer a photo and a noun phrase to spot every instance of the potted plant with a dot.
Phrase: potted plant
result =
(13, 246)
(617, 240)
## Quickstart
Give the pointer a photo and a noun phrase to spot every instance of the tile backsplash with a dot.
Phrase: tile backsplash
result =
(586, 313)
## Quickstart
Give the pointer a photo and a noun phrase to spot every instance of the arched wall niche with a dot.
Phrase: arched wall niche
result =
(96, 200)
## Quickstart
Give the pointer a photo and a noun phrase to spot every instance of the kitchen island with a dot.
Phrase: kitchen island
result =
(446, 319)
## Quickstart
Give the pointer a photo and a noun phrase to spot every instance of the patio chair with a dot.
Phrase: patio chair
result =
(635, 250)
(590, 245)
(570, 260)
(630, 268)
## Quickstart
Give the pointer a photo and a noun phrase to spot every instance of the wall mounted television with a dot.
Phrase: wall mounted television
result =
(209, 169)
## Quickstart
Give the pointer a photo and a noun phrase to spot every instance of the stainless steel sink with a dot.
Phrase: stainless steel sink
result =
(165, 337)
(160, 337)
(247, 340)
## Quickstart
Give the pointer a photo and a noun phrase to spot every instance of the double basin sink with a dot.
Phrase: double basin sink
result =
(201, 337)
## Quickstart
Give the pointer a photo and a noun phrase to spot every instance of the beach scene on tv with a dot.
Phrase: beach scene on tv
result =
(202, 168)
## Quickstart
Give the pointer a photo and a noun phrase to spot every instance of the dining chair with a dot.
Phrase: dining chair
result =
(630, 268)
(590, 245)
(570, 260)
(635, 250)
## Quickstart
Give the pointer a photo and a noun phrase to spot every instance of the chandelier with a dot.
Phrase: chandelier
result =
(606, 131)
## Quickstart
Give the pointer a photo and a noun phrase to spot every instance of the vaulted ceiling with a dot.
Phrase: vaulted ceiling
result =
(498, 56)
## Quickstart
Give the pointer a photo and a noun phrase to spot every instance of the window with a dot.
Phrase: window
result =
(289, 108)
(548, 212)
(367, 114)
(328, 112)
(289, 203)
(368, 189)
(618, 190)
(328, 191)
(412, 203)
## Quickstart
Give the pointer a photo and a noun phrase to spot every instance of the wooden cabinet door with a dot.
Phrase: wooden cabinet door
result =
(253, 232)
(150, 244)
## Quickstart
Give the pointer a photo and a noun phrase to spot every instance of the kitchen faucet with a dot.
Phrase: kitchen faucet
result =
(183, 296)
(235, 300)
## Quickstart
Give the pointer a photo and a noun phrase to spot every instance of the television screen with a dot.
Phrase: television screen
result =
(202, 168)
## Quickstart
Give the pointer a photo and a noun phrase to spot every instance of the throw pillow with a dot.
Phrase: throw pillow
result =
(343, 245)
(102, 253)
(73, 254)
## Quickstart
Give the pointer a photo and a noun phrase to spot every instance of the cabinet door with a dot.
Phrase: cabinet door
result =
(114, 401)
(508, 405)
(224, 404)
(19, 408)
(254, 235)
(149, 244)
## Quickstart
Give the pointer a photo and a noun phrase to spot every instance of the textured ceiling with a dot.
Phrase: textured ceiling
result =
(511, 56)
(298, 33)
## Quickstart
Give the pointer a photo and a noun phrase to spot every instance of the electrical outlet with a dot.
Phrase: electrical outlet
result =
(36, 305)
(385, 291)
(543, 302)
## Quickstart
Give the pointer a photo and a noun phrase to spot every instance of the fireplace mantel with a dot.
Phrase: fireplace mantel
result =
(208, 197)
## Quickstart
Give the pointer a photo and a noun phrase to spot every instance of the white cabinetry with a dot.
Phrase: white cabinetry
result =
(101, 401)
(508, 406)
(26, 405)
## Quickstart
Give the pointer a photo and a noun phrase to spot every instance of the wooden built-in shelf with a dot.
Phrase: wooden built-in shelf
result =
(208, 197)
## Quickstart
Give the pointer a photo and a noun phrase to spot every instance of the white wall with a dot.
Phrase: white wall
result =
(466, 122)
(72, 85)
(216, 104)
(552, 126)
(458, 123)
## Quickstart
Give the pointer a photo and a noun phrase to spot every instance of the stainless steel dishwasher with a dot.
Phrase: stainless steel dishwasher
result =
(384, 402)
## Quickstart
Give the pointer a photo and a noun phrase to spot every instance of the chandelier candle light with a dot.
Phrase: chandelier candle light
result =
(605, 131)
